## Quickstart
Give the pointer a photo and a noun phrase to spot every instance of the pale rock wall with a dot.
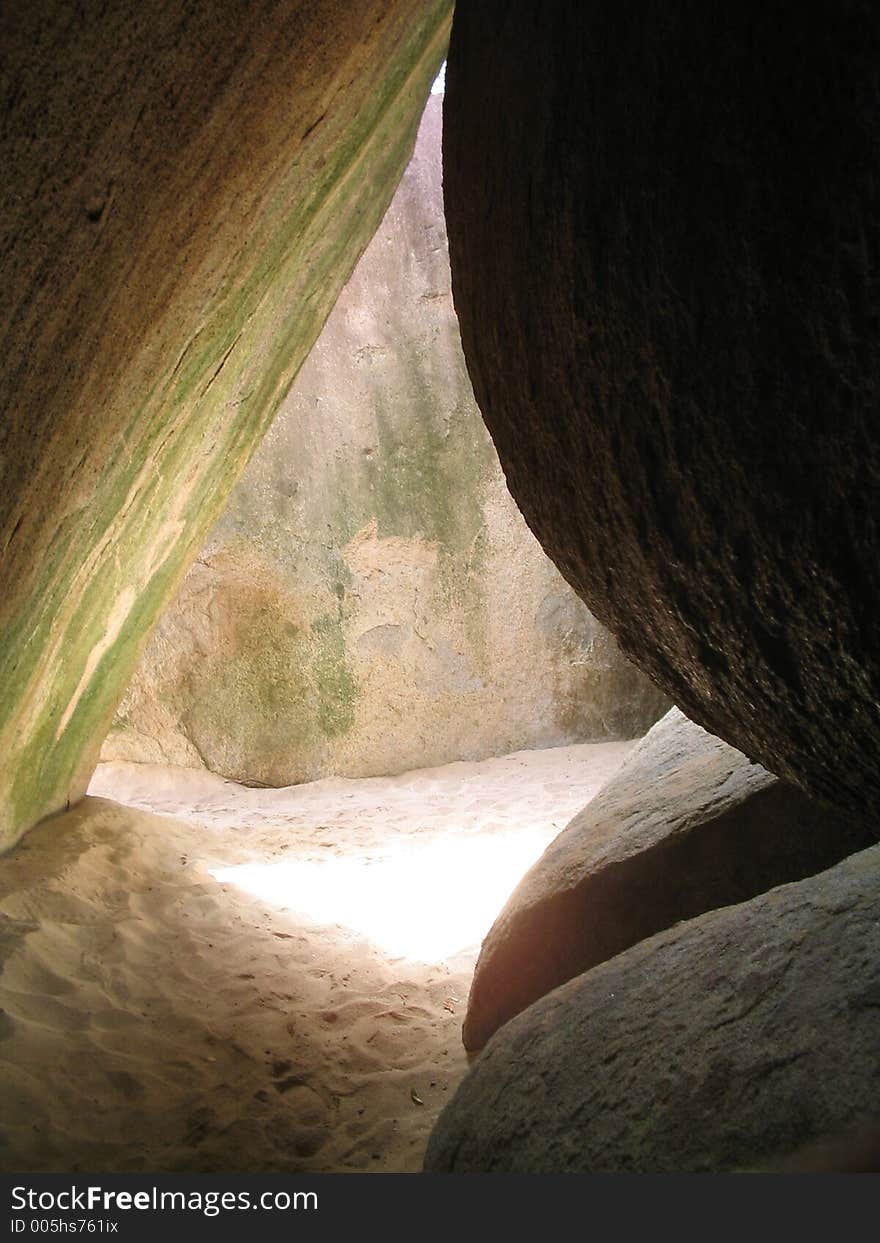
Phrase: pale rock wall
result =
(371, 599)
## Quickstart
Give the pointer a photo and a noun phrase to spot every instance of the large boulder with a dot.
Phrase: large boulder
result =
(687, 824)
(185, 190)
(664, 223)
(726, 1043)
(371, 599)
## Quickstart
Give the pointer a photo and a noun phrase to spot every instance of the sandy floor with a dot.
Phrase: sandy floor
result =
(273, 980)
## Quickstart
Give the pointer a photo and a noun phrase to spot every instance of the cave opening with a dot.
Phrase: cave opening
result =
(371, 602)
(662, 225)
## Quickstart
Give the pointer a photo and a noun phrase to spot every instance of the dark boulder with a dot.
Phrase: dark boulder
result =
(664, 224)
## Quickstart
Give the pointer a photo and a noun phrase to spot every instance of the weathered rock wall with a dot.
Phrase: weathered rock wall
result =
(371, 599)
(664, 226)
(185, 190)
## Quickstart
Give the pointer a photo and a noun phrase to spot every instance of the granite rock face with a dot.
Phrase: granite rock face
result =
(688, 824)
(185, 190)
(371, 600)
(664, 224)
(732, 1042)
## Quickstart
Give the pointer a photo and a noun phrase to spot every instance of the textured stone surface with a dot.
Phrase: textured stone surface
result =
(185, 190)
(371, 599)
(688, 824)
(663, 226)
(729, 1042)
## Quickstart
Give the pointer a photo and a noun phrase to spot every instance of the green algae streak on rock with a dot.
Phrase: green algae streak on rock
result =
(185, 192)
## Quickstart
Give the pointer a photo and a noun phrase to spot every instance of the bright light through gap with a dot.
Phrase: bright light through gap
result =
(421, 903)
